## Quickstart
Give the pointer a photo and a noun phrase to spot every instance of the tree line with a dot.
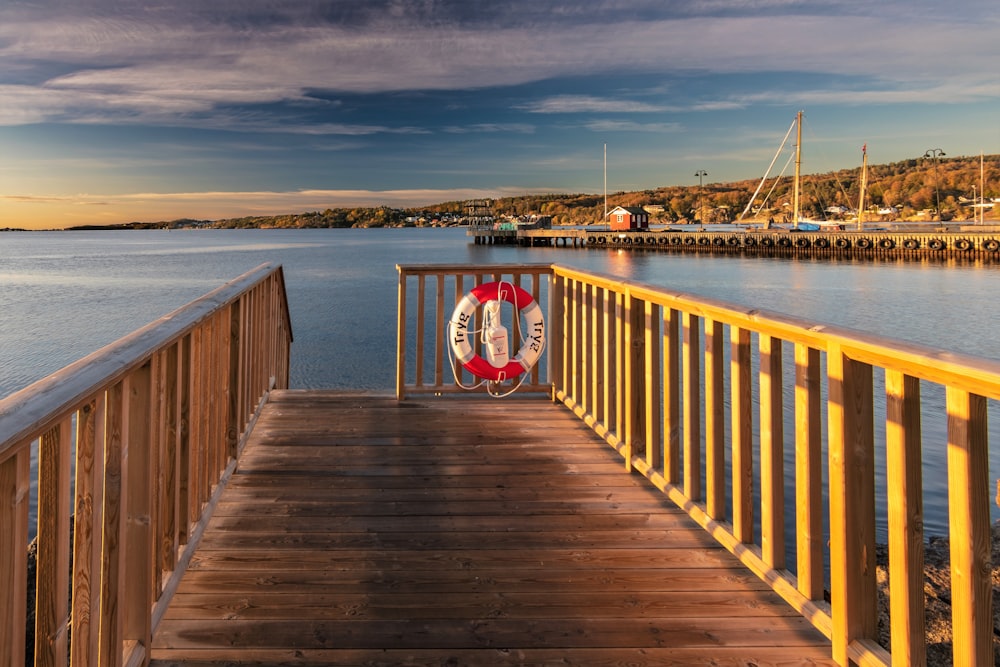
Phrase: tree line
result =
(912, 187)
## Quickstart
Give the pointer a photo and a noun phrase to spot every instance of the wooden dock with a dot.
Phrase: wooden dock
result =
(362, 530)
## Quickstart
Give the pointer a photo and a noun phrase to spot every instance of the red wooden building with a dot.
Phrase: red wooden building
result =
(628, 218)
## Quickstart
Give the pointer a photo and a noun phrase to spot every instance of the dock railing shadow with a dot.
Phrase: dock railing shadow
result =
(768, 431)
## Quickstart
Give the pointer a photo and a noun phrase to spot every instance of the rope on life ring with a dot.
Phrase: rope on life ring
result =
(935, 244)
(911, 244)
(459, 330)
(992, 245)
(886, 244)
(963, 244)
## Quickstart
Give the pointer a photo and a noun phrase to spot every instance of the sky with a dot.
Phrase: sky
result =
(150, 110)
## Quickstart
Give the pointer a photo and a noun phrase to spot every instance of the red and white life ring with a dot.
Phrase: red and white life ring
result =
(533, 334)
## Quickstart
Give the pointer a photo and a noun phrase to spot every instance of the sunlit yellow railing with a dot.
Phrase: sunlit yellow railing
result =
(152, 424)
(702, 398)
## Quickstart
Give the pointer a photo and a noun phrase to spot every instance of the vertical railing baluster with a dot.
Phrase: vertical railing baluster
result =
(772, 462)
(112, 534)
(401, 334)
(14, 505)
(672, 424)
(652, 370)
(715, 425)
(851, 443)
(969, 528)
(633, 379)
(421, 305)
(741, 449)
(137, 482)
(691, 356)
(904, 489)
(808, 473)
(440, 317)
(53, 558)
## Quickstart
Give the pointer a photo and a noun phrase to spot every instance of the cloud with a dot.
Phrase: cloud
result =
(631, 126)
(589, 104)
(177, 63)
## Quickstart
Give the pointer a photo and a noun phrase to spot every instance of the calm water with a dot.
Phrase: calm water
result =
(65, 294)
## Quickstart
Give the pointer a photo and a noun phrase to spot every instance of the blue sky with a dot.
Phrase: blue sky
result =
(160, 109)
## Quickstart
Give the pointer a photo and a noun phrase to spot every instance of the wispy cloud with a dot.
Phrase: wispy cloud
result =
(589, 104)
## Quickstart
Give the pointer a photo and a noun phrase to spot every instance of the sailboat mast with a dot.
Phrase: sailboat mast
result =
(605, 183)
(864, 186)
(798, 168)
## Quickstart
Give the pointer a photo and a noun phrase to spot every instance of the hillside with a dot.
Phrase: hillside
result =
(912, 187)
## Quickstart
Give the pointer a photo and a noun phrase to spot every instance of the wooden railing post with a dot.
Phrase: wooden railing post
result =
(852, 502)
(808, 473)
(741, 399)
(52, 584)
(969, 528)
(904, 488)
(14, 501)
(137, 469)
(691, 355)
(633, 380)
(772, 459)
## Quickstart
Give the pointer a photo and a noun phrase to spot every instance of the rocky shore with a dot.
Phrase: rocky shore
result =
(937, 599)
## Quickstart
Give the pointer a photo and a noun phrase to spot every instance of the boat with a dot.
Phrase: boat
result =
(798, 223)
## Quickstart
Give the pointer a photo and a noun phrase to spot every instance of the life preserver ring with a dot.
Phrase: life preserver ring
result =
(688, 240)
(864, 243)
(963, 244)
(911, 244)
(991, 245)
(842, 243)
(822, 243)
(464, 314)
(703, 241)
(732, 240)
(663, 240)
(675, 240)
(886, 244)
(802, 242)
(935, 244)
(767, 242)
(749, 241)
(784, 241)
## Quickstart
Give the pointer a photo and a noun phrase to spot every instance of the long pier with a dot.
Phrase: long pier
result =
(627, 506)
(972, 243)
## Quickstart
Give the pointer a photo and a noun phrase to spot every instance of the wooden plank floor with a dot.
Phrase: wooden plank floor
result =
(359, 530)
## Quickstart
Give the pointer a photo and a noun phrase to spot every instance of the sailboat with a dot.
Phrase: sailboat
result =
(797, 221)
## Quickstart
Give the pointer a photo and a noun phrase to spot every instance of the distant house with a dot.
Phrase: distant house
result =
(628, 218)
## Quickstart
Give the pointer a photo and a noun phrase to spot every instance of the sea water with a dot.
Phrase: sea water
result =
(66, 294)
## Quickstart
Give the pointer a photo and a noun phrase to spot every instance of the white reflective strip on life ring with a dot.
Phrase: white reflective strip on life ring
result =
(461, 319)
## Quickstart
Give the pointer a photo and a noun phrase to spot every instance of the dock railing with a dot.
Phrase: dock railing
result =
(151, 424)
(703, 398)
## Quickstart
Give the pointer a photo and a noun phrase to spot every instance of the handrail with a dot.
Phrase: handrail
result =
(155, 422)
(668, 380)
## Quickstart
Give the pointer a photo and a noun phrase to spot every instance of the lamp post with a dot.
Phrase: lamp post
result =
(936, 154)
(700, 173)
